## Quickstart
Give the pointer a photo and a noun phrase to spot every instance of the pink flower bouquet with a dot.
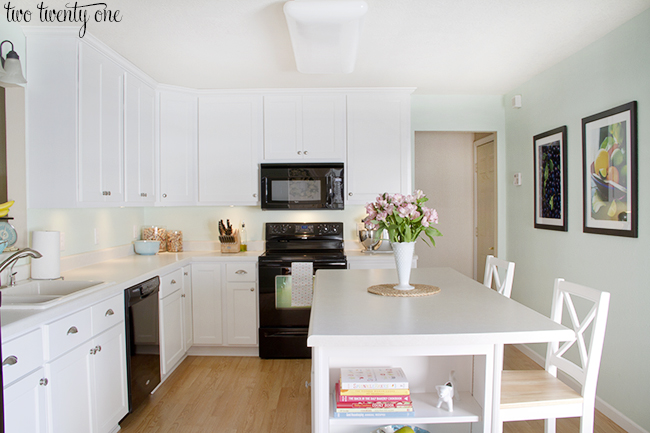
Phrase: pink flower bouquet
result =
(405, 217)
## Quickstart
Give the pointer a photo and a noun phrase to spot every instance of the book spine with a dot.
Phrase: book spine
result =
(374, 405)
(373, 414)
(358, 398)
(374, 392)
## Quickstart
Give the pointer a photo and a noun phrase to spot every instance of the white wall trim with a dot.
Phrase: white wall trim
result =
(604, 407)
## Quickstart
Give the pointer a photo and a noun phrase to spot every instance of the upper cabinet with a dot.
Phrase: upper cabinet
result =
(304, 127)
(379, 145)
(139, 142)
(178, 148)
(230, 138)
(80, 113)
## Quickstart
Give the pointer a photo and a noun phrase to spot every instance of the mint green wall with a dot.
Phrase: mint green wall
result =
(608, 73)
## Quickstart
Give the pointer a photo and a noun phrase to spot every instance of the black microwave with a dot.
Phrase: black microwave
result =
(302, 186)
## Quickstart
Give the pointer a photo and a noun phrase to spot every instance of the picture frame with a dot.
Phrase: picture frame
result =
(550, 168)
(609, 167)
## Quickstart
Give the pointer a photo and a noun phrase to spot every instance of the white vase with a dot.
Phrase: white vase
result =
(403, 259)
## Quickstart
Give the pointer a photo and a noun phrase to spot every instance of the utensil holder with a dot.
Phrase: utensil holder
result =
(230, 243)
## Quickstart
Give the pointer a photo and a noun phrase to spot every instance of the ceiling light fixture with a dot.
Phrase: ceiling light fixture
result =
(325, 34)
(11, 71)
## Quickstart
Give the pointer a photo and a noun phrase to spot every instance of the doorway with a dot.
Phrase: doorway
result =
(445, 169)
(485, 202)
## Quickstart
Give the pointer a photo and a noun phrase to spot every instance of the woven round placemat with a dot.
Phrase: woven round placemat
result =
(419, 290)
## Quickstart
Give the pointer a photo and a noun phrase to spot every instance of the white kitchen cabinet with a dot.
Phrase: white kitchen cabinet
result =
(241, 301)
(304, 127)
(177, 148)
(230, 139)
(25, 404)
(101, 113)
(187, 307)
(207, 304)
(172, 333)
(139, 142)
(379, 145)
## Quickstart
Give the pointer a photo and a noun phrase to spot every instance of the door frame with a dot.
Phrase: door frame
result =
(487, 139)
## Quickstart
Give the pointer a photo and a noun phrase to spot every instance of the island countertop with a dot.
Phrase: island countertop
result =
(344, 313)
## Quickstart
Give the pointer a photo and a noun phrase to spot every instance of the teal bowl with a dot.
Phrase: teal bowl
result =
(146, 248)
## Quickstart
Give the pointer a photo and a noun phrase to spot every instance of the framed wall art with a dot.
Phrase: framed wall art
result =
(551, 179)
(609, 164)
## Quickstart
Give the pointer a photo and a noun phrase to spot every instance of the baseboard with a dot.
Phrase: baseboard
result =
(602, 406)
(223, 351)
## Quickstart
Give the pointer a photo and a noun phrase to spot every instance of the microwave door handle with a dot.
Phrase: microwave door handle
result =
(330, 191)
(265, 190)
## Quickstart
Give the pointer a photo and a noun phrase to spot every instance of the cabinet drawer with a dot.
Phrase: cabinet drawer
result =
(67, 333)
(22, 355)
(171, 282)
(107, 313)
(241, 272)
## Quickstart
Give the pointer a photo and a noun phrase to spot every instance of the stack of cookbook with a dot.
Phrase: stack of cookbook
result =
(373, 392)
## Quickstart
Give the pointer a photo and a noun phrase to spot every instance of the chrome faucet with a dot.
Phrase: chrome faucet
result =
(12, 259)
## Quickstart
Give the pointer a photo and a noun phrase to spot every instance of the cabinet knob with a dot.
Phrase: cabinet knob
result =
(305, 152)
(143, 194)
(255, 195)
(350, 194)
(252, 289)
(183, 295)
(10, 360)
(43, 382)
(241, 272)
(164, 195)
(186, 273)
(172, 282)
(106, 193)
(93, 351)
(72, 330)
(109, 312)
(99, 348)
(299, 153)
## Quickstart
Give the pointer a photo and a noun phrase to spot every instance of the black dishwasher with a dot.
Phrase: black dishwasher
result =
(142, 340)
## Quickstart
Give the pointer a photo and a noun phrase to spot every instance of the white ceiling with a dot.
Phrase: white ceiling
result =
(438, 46)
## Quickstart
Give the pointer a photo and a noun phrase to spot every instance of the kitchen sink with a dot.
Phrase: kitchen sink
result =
(39, 294)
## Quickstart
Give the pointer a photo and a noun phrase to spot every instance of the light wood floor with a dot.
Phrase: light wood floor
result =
(246, 394)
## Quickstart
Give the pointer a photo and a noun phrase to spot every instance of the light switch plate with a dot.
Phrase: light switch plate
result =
(517, 179)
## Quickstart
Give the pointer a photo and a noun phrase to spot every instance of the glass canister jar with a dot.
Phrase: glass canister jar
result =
(155, 233)
(174, 241)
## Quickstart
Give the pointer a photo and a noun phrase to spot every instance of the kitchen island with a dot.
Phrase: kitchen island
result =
(463, 328)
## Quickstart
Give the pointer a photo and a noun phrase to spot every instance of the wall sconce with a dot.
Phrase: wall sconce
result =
(11, 71)
(325, 34)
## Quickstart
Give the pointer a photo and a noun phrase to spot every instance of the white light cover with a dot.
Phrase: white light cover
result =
(325, 34)
(13, 72)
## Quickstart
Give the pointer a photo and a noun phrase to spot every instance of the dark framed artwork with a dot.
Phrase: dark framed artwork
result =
(550, 158)
(609, 164)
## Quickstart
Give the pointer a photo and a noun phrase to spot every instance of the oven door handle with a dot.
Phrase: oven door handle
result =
(284, 333)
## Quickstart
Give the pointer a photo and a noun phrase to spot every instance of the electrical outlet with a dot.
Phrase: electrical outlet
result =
(96, 237)
(517, 179)
(62, 241)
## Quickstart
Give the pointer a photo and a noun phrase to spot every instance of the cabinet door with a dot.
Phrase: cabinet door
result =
(242, 313)
(282, 127)
(172, 331)
(323, 127)
(207, 303)
(187, 307)
(139, 150)
(109, 379)
(379, 146)
(178, 137)
(101, 162)
(25, 405)
(230, 137)
(69, 391)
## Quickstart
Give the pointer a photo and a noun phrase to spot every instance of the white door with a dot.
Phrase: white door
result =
(207, 304)
(139, 134)
(69, 391)
(101, 172)
(242, 313)
(486, 203)
(178, 148)
(230, 137)
(379, 146)
(25, 405)
(282, 127)
(172, 330)
(109, 379)
(323, 127)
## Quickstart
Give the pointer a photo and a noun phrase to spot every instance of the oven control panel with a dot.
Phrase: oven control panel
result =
(303, 229)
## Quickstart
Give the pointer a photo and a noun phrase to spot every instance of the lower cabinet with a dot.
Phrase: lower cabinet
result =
(25, 404)
(224, 317)
(172, 336)
(187, 306)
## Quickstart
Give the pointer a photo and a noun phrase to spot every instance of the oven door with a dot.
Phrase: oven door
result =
(302, 186)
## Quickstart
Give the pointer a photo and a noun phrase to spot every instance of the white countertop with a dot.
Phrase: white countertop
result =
(344, 313)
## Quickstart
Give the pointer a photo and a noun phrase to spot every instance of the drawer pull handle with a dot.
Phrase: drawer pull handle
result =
(10, 360)
(186, 273)
(44, 382)
(173, 282)
(241, 272)
(72, 330)
(109, 312)
(183, 295)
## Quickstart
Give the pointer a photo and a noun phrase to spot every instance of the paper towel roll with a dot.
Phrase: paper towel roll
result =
(48, 243)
